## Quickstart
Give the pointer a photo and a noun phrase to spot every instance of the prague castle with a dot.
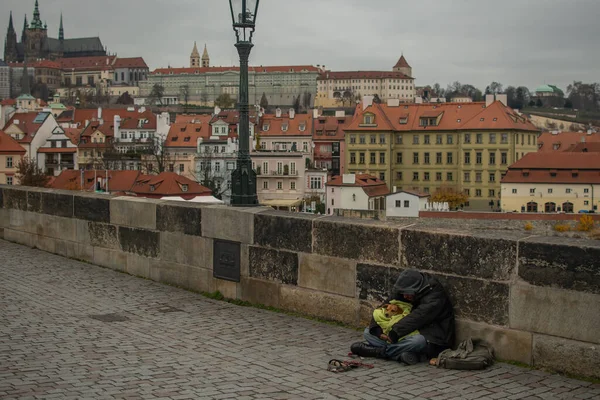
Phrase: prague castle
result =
(35, 43)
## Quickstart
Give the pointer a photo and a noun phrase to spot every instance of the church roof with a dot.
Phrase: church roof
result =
(195, 52)
(205, 54)
(402, 63)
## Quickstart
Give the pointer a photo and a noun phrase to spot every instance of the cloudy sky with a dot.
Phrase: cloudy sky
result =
(516, 42)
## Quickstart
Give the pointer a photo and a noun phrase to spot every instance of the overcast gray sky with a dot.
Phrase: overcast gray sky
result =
(518, 42)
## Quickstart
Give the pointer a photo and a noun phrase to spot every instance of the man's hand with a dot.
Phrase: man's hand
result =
(385, 337)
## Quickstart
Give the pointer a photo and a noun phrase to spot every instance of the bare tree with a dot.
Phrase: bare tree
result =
(185, 94)
(29, 174)
(204, 98)
(157, 158)
(306, 100)
(156, 95)
(208, 175)
(224, 101)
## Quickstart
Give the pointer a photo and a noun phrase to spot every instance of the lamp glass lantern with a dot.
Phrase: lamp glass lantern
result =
(243, 16)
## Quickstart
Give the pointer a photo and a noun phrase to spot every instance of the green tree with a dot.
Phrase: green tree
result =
(29, 174)
(224, 101)
(156, 94)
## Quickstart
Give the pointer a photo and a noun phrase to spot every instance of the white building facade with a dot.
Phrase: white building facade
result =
(405, 204)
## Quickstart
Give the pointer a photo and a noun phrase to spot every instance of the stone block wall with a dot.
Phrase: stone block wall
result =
(536, 299)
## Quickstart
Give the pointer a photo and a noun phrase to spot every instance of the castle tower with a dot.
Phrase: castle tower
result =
(24, 32)
(36, 37)
(10, 43)
(402, 66)
(195, 57)
(205, 58)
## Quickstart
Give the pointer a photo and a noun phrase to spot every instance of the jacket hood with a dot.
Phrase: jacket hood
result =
(410, 282)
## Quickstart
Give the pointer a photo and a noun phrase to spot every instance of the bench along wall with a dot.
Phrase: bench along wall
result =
(536, 299)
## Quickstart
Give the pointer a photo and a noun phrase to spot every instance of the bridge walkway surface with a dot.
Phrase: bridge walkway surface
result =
(70, 330)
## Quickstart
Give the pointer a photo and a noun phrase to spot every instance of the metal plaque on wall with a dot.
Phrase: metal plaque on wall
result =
(226, 260)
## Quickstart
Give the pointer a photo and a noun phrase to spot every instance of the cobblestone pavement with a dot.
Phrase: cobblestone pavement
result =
(173, 344)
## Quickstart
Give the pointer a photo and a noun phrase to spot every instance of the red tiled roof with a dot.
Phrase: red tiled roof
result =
(181, 71)
(402, 63)
(26, 124)
(456, 116)
(587, 147)
(328, 75)
(87, 63)
(189, 118)
(168, 184)
(73, 134)
(372, 185)
(414, 193)
(57, 150)
(132, 120)
(8, 102)
(563, 141)
(294, 125)
(184, 134)
(558, 161)
(330, 128)
(133, 62)
(8, 145)
(119, 181)
(46, 64)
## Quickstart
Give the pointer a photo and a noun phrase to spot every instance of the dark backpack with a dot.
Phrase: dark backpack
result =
(470, 355)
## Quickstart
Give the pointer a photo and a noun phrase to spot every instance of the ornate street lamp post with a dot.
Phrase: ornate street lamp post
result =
(243, 178)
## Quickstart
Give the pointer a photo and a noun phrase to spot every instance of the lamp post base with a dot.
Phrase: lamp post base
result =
(243, 187)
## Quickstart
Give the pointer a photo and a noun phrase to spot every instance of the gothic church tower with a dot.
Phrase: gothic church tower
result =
(10, 43)
(205, 58)
(195, 57)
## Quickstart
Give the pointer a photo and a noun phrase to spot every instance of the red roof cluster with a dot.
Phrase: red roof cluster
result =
(300, 125)
(187, 133)
(8, 145)
(371, 185)
(564, 141)
(204, 70)
(559, 167)
(28, 122)
(330, 128)
(133, 62)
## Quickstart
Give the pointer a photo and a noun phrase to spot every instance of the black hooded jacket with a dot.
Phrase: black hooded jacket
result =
(432, 313)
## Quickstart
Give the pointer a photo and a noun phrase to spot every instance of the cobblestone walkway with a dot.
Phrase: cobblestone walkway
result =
(69, 330)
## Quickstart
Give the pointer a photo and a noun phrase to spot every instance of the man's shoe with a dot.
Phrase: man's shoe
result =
(409, 358)
(366, 350)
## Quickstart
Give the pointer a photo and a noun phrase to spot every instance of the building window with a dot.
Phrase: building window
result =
(315, 182)
(477, 192)
(491, 193)
(181, 167)
(439, 139)
(550, 191)
(478, 157)
(381, 139)
(438, 176)
(398, 203)
(416, 139)
(492, 177)
(406, 203)
(479, 138)
(368, 119)
(438, 158)
(399, 175)
(399, 139)
(9, 162)
(362, 139)
(467, 138)
(415, 176)
(532, 191)
(467, 157)
(266, 185)
(477, 176)
(382, 176)
(426, 176)
(504, 158)
(372, 158)
(586, 203)
(279, 185)
(492, 138)
(172, 167)
(373, 139)
(415, 158)
(467, 177)
(381, 158)
(426, 158)
(352, 158)
(426, 139)
(449, 176)
(352, 139)
(449, 158)
(504, 138)
(492, 158)
(586, 191)
(568, 191)
(514, 191)
(398, 158)
(292, 185)
(361, 158)
(449, 139)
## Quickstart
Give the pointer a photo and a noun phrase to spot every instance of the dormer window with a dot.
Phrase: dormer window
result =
(265, 127)
(284, 127)
(152, 188)
(184, 188)
(302, 127)
(556, 146)
(404, 120)
(186, 139)
(174, 139)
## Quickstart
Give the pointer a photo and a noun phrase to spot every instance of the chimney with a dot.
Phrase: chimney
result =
(292, 113)
(502, 98)
(367, 101)
(116, 126)
(99, 113)
(393, 102)
(418, 100)
(315, 113)
(340, 114)
(278, 113)
(348, 179)
(489, 99)
(395, 189)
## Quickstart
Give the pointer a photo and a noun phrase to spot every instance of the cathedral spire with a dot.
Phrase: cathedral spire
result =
(61, 31)
(25, 26)
(37, 22)
(205, 58)
(195, 57)
(11, 28)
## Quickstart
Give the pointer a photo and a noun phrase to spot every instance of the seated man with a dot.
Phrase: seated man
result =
(432, 315)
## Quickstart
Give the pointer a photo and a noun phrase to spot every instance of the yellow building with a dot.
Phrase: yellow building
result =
(423, 147)
(553, 182)
(11, 154)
